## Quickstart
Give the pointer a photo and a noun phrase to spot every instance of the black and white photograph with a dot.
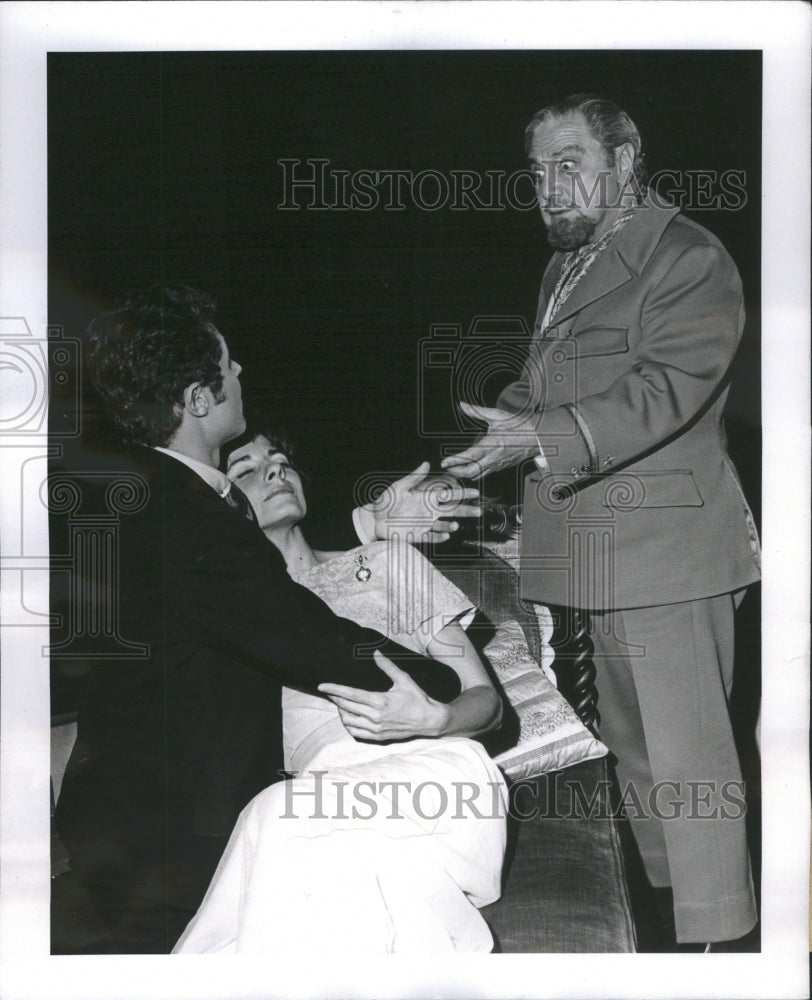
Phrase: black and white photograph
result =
(406, 544)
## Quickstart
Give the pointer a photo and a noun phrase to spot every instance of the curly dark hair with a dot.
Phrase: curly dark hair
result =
(609, 125)
(143, 355)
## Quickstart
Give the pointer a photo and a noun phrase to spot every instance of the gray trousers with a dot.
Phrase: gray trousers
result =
(664, 676)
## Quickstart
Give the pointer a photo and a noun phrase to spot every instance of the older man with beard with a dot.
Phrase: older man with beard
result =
(632, 508)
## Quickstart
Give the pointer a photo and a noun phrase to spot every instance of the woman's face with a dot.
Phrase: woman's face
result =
(273, 488)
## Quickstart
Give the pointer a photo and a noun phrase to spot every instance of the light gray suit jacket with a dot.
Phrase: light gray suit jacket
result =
(641, 504)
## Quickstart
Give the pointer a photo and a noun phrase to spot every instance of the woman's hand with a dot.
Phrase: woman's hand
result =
(401, 713)
(419, 508)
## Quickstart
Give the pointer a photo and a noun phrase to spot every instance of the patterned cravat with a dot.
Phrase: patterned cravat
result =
(577, 262)
(238, 502)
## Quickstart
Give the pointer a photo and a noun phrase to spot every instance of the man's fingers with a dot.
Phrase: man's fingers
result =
(471, 470)
(475, 412)
(358, 726)
(486, 414)
(397, 675)
(357, 696)
(351, 707)
(453, 461)
(472, 454)
(350, 718)
(468, 464)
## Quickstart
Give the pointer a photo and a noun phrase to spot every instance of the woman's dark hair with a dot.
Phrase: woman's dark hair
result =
(262, 425)
(143, 355)
(609, 125)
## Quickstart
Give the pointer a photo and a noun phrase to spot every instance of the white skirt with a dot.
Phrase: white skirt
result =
(393, 854)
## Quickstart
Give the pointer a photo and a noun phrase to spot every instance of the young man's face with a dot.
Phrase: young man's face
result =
(226, 413)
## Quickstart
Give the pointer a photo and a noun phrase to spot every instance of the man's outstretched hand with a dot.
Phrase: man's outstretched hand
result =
(419, 509)
(401, 713)
(509, 440)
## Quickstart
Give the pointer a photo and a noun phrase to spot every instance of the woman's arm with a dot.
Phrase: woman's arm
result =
(405, 711)
(478, 708)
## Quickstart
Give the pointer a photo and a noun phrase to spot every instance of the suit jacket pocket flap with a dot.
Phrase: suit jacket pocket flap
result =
(596, 341)
(631, 490)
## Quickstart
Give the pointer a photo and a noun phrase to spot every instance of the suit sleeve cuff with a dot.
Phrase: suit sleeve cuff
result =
(567, 443)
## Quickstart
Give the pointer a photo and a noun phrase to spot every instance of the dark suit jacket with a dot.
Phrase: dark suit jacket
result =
(171, 746)
(641, 505)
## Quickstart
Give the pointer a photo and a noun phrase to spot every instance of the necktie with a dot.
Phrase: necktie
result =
(238, 502)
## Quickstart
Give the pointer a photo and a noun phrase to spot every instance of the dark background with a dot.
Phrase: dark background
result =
(163, 167)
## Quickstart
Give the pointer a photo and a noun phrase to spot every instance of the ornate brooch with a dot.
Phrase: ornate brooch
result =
(363, 573)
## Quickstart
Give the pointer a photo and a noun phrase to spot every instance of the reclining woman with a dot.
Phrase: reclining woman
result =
(376, 845)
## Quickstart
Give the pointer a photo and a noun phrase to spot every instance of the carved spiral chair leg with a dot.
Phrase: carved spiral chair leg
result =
(573, 666)
(585, 695)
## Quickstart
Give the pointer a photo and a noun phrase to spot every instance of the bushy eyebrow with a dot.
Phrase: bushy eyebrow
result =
(571, 148)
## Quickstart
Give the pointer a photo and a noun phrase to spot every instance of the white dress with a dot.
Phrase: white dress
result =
(370, 848)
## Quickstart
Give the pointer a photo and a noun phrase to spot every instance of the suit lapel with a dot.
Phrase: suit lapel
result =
(547, 288)
(606, 274)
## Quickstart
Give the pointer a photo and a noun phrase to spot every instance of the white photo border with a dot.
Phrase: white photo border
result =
(28, 31)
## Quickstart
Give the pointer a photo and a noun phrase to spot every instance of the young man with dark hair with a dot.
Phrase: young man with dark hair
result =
(173, 745)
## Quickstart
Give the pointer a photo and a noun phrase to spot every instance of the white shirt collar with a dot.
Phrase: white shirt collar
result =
(218, 480)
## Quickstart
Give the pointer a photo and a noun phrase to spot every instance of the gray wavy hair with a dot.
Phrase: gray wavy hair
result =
(609, 124)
